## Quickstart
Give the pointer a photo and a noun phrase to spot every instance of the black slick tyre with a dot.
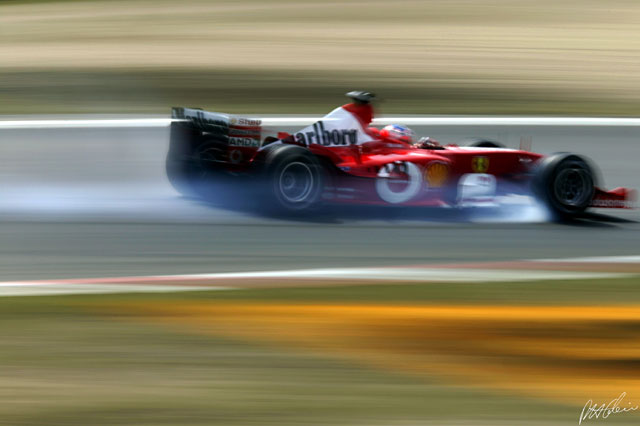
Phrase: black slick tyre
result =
(294, 179)
(565, 182)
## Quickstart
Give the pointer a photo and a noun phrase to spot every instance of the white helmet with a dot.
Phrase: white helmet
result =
(397, 133)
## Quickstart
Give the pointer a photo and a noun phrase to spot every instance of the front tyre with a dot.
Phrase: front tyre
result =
(566, 183)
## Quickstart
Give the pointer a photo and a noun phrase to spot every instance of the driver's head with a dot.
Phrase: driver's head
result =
(397, 133)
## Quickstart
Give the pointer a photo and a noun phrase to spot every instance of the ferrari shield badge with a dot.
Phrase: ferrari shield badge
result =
(480, 164)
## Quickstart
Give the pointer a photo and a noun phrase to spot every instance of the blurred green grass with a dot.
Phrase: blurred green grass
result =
(65, 361)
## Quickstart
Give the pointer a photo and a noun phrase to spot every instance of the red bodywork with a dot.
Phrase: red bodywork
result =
(362, 168)
(440, 169)
(358, 170)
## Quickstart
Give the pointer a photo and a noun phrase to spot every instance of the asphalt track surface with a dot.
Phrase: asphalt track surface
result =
(96, 203)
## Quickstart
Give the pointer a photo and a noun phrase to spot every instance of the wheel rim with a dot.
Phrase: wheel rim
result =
(296, 182)
(572, 187)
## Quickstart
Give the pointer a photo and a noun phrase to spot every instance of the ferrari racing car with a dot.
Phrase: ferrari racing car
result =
(341, 159)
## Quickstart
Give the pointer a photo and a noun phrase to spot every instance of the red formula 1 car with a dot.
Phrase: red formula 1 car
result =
(340, 159)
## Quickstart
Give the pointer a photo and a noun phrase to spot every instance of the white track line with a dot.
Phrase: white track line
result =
(407, 274)
(85, 124)
(209, 281)
(597, 259)
(510, 121)
(293, 120)
(32, 289)
(234, 280)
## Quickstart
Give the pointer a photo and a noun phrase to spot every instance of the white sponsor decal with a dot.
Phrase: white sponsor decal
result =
(240, 121)
(474, 187)
(385, 183)
(338, 128)
(244, 142)
(620, 204)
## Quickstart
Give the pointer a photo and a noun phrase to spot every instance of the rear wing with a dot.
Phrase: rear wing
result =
(239, 136)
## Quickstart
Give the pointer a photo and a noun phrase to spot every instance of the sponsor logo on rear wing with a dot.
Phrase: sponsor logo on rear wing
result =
(235, 131)
(205, 119)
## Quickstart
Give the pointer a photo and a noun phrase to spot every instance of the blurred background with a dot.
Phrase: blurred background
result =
(465, 57)
(89, 203)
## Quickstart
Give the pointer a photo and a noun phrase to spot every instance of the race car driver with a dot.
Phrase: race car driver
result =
(397, 133)
(361, 107)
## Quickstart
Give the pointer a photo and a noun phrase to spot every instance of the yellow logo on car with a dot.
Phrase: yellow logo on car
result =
(480, 164)
(436, 174)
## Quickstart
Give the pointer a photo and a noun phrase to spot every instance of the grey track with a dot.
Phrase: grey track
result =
(96, 203)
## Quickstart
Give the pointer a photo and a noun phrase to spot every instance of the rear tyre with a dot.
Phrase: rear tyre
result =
(565, 182)
(295, 180)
